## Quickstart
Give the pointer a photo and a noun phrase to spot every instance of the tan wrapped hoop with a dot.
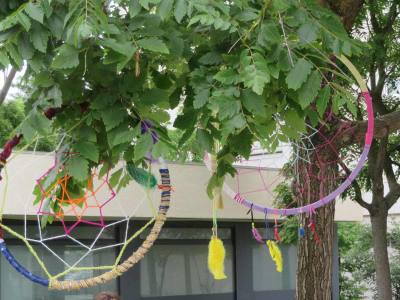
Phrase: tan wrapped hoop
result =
(135, 257)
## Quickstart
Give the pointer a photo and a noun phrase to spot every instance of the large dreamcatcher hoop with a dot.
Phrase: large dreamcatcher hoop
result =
(236, 195)
(119, 267)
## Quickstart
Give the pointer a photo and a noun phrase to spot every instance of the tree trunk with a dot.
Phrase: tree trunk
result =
(381, 257)
(314, 266)
(315, 250)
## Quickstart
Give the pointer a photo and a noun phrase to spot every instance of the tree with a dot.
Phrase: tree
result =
(106, 69)
(382, 65)
(357, 270)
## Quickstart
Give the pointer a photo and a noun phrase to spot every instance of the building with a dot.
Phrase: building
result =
(176, 267)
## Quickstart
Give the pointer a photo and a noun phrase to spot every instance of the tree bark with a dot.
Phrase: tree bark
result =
(381, 257)
(314, 266)
(315, 250)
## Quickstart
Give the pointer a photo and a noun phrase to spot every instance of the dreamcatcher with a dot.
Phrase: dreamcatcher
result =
(62, 208)
(314, 154)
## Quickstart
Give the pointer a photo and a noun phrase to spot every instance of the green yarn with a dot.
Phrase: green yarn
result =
(141, 176)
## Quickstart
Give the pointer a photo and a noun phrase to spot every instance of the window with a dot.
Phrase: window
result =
(14, 286)
(177, 265)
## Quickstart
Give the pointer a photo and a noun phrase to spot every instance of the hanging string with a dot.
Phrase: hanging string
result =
(257, 236)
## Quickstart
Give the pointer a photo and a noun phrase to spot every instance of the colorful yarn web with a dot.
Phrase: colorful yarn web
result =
(312, 157)
(75, 210)
(57, 201)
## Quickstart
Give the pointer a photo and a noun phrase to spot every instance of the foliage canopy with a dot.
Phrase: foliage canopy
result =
(238, 71)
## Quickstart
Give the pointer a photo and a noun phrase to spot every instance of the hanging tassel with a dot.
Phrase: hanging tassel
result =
(256, 234)
(276, 255)
(216, 257)
(314, 231)
(276, 232)
(141, 176)
(302, 232)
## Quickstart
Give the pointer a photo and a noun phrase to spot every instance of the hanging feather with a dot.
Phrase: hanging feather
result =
(276, 254)
(216, 257)
(141, 176)
(256, 234)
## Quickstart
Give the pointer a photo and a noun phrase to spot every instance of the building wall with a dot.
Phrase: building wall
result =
(189, 198)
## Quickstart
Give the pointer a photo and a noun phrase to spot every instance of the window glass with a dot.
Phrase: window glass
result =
(15, 286)
(189, 234)
(265, 276)
(180, 268)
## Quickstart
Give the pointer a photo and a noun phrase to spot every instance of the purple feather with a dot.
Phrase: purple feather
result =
(257, 235)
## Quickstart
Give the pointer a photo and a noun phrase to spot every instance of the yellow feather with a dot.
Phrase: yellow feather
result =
(276, 255)
(216, 257)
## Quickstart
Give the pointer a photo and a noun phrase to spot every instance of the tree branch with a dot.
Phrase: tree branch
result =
(358, 196)
(7, 85)
(391, 17)
(388, 168)
(384, 126)
(392, 197)
(347, 10)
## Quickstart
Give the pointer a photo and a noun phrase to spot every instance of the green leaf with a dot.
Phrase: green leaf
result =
(257, 74)
(8, 22)
(24, 21)
(67, 57)
(308, 32)
(180, 10)
(322, 100)
(299, 74)
(227, 106)
(165, 9)
(213, 183)
(143, 146)
(113, 116)
(39, 122)
(269, 34)
(226, 76)
(35, 11)
(134, 8)
(155, 96)
(210, 58)
(39, 37)
(88, 150)
(253, 103)
(205, 140)
(280, 5)
(120, 135)
(160, 149)
(242, 143)
(43, 79)
(4, 60)
(25, 47)
(294, 124)
(15, 55)
(114, 178)
(153, 44)
(309, 90)
(125, 48)
(201, 98)
(78, 167)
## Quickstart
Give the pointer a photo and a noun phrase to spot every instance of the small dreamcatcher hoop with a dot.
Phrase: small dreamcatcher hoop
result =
(53, 282)
(311, 207)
